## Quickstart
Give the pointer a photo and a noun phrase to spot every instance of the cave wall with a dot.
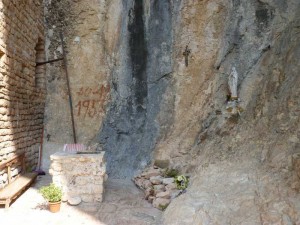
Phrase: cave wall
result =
(220, 36)
(156, 104)
(139, 81)
(243, 167)
(153, 105)
(82, 25)
(122, 52)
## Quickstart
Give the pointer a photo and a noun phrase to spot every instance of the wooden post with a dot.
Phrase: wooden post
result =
(7, 202)
(23, 163)
(9, 174)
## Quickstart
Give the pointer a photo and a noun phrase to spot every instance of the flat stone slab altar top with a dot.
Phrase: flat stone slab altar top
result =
(64, 155)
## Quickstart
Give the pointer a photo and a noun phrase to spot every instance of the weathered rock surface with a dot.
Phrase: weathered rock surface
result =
(119, 72)
(244, 165)
(235, 194)
(139, 79)
(244, 172)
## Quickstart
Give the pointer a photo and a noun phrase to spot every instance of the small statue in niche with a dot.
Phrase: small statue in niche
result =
(232, 83)
(186, 54)
(232, 99)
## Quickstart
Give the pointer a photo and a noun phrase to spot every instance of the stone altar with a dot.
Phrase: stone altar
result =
(79, 175)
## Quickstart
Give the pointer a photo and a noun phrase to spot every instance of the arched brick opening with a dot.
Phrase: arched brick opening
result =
(1, 54)
(40, 70)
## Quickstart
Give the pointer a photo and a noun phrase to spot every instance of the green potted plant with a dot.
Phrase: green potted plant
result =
(53, 195)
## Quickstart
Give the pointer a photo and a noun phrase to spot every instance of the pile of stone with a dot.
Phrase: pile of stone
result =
(158, 188)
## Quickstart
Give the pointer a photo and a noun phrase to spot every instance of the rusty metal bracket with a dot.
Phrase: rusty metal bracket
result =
(49, 61)
(64, 59)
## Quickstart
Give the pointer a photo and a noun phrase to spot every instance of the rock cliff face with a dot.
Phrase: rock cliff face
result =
(139, 80)
(167, 63)
(246, 165)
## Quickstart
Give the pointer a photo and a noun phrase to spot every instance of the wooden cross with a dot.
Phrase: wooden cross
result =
(186, 54)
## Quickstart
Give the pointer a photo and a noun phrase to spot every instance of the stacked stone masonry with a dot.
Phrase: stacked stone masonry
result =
(79, 175)
(159, 188)
(22, 84)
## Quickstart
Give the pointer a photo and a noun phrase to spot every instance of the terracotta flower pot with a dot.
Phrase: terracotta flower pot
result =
(54, 206)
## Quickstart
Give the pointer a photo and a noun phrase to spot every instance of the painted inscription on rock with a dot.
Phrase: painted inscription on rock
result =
(91, 101)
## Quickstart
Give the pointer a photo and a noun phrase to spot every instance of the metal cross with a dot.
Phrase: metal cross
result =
(186, 54)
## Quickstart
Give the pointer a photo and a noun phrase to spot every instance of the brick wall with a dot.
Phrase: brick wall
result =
(22, 84)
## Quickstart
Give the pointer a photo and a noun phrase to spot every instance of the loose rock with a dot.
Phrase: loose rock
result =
(156, 186)
(156, 180)
(146, 184)
(151, 173)
(164, 194)
(167, 181)
(149, 192)
(162, 163)
(159, 188)
(161, 203)
(74, 201)
(150, 199)
(139, 182)
(171, 187)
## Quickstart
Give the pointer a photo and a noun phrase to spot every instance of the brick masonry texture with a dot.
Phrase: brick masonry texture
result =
(22, 84)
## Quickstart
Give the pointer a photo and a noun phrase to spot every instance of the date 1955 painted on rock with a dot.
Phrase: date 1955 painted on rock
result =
(92, 101)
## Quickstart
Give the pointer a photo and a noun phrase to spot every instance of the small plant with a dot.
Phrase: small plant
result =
(51, 193)
(163, 207)
(171, 173)
(181, 182)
